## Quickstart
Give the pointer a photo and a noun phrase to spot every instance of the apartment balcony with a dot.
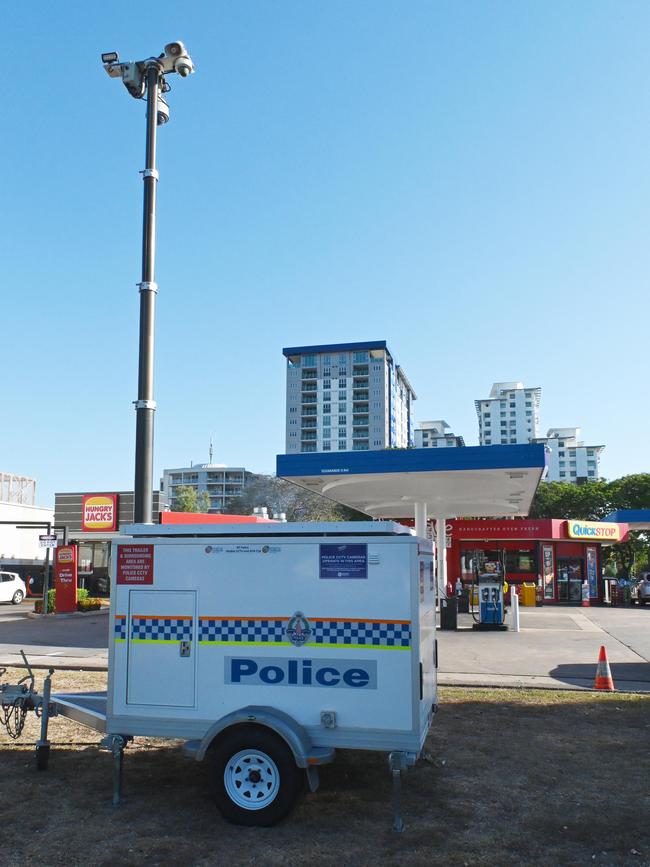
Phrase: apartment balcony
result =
(309, 373)
(308, 423)
(309, 386)
(361, 419)
(360, 394)
(310, 398)
(360, 382)
(360, 445)
(360, 370)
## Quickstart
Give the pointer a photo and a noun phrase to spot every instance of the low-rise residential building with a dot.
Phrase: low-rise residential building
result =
(436, 434)
(569, 459)
(221, 483)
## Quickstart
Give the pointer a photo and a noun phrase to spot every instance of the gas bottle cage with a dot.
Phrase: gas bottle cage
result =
(89, 709)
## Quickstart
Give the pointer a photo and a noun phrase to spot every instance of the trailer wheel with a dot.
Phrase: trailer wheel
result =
(254, 777)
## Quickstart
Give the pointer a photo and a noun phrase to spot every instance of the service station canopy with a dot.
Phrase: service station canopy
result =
(474, 481)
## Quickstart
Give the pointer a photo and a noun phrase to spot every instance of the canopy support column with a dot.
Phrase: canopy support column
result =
(421, 520)
(441, 556)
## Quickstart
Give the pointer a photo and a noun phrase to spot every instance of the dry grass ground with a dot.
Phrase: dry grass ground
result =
(512, 777)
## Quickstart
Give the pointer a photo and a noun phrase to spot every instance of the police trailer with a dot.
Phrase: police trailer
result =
(265, 647)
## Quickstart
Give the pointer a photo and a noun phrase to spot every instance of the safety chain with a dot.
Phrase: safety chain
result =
(13, 717)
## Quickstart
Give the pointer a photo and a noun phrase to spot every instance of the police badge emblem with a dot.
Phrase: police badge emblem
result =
(298, 629)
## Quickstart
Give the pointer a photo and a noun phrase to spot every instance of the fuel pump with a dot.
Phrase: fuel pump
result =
(489, 576)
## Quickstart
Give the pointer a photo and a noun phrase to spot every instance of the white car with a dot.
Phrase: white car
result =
(12, 588)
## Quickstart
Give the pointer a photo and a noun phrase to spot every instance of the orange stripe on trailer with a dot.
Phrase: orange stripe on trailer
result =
(313, 619)
(160, 617)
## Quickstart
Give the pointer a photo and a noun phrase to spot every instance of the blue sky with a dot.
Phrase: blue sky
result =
(466, 180)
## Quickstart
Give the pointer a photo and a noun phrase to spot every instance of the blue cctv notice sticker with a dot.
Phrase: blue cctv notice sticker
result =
(343, 561)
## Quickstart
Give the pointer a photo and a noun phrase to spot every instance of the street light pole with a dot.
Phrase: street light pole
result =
(147, 78)
(145, 405)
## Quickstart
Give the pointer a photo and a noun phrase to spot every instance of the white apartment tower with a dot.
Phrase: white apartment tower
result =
(346, 397)
(509, 415)
(569, 459)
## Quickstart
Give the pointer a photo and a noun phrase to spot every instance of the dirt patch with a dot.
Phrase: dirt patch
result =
(511, 777)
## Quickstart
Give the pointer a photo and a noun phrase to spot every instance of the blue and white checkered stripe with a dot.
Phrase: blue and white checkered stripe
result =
(332, 633)
(366, 633)
(120, 628)
(244, 631)
(161, 628)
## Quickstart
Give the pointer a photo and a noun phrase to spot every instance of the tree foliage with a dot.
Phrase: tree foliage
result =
(592, 501)
(297, 503)
(187, 499)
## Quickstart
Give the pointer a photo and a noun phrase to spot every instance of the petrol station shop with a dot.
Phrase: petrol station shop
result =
(558, 556)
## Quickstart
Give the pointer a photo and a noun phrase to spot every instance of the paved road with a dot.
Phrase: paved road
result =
(556, 647)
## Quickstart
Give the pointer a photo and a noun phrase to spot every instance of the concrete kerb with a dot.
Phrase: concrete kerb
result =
(33, 616)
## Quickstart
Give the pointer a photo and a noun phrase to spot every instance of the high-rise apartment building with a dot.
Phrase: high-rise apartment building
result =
(346, 397)
(222, 483)
(436, 434)
(509, 415)
(569, 459)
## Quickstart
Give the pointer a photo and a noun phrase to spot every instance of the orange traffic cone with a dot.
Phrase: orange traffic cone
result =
(604, 678)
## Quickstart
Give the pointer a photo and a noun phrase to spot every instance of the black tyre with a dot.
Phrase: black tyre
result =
(254, 777)
(18, 597)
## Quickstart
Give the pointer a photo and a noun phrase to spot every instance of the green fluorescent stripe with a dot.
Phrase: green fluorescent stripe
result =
(287, 644)
(120, 639)
(250, 643)
(153, 641)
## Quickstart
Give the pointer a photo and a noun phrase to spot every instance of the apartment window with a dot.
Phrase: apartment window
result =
(376, 442)
(529, 412)
(343, 407)
(342, 382)
(513, 439)
(327, 371)
(343, 395)
(561, 444)
(502, 414)
(512, 405)
(308, 360)
(590, 453)
(488, 442)
(327, 383)
(528, 394)
(359, 356)
(591, 464)
(561, 454)
(343, 370)
(293, 434)
(562, 463)
(327, 446)
(502, 404)
(342, 445)
(292, 409)
(591, 472)
(327, 407)
(504, 440)
(343, 420)
(434, 443)
(326, 419)
(562, 474)
(327, 432)
(327, 395)
(327, 359)
(308, 447)
(572, 463)
(529, 403)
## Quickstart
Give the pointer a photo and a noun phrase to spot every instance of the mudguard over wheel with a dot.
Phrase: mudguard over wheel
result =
(254, 776)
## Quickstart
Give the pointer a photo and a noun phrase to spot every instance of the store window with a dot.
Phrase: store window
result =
(521, 562)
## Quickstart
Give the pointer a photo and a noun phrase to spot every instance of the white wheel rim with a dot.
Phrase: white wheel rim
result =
(252, 779)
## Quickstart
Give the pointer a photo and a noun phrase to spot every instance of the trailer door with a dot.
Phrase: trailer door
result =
(161, 667)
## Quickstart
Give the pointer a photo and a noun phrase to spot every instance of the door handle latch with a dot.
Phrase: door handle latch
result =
(186, 647)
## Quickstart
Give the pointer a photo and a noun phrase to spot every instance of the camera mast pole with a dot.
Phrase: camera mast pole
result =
(145, 405)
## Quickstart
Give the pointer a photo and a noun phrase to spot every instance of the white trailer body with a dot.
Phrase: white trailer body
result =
(332, 625)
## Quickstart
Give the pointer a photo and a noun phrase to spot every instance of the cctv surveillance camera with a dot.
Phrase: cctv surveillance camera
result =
(184, 66)
(163, 112)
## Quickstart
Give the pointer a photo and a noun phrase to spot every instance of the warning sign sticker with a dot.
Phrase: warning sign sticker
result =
(135, 564)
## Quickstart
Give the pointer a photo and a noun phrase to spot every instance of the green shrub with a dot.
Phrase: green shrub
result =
(82, 593)
(51, 602)
(89, 604)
